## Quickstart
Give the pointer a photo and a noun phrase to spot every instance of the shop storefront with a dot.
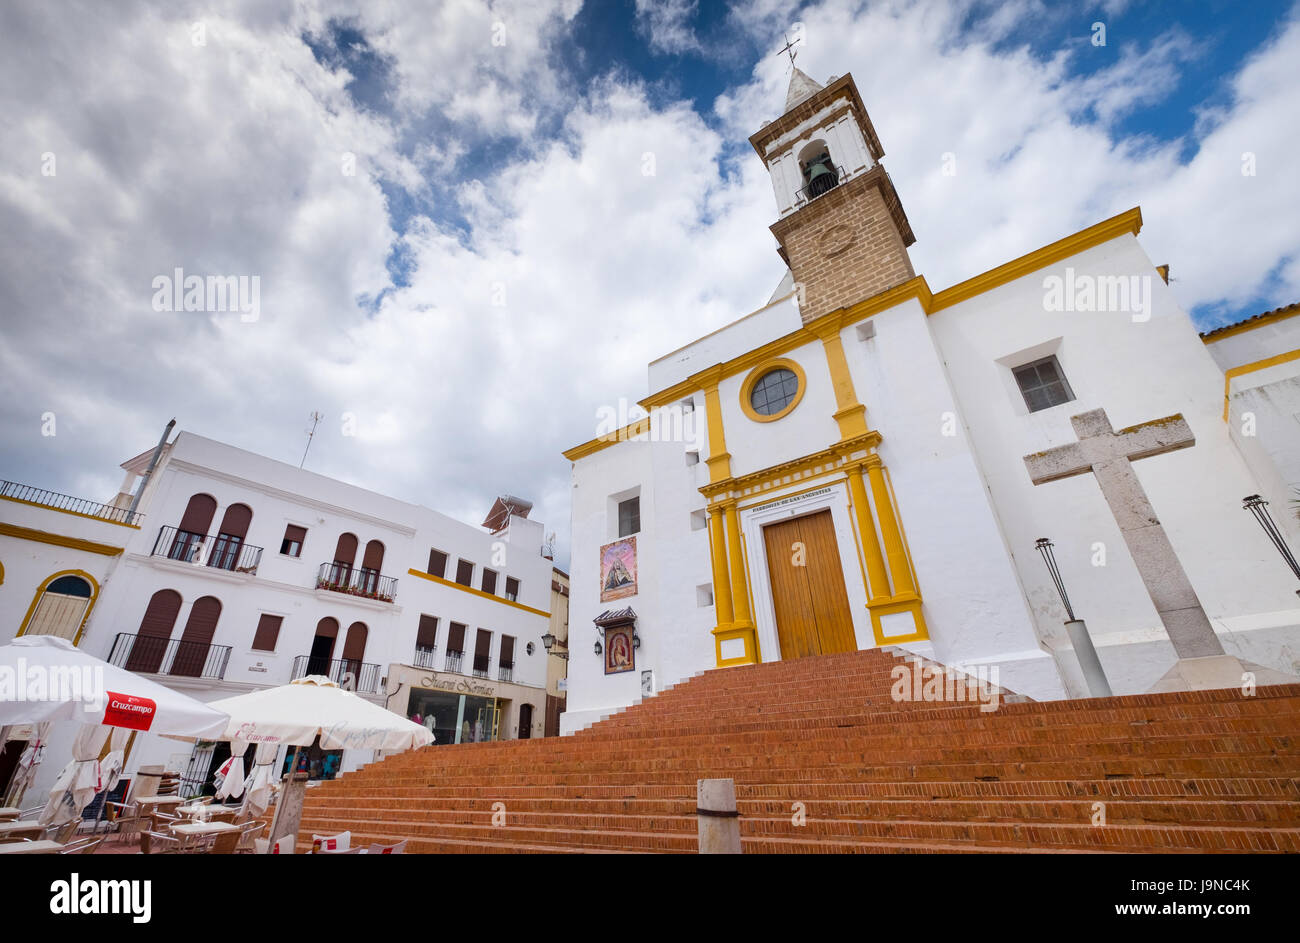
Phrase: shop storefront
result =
(461, 709)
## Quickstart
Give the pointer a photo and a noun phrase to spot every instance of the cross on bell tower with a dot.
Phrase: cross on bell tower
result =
(841, 227)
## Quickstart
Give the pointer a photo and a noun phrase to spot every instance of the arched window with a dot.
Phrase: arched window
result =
(155, 631)
(234, 528)
(354, 650)
(61, 606)
(345, 555)
(196, 641)
(322, 646)
(193, 527)
(371, 564)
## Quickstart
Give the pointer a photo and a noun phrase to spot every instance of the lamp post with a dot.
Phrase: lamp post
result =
(1084, 650)
(1258, 507)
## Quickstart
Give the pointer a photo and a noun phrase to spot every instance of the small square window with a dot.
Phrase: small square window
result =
(291, 545)
(489, 581)
(692, 457)
(699, 519)
(629, 516)
(437, 563)
(1043, 384)
(704, 595)
(268, 632)
(465, 572)
(512, 589)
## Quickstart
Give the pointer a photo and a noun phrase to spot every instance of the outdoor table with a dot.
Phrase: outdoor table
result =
(158, 800)
(8, 813)
(42, 847)
(202, 828)
(6, 827)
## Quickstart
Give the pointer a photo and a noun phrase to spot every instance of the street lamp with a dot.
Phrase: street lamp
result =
(548, 642)
(1259, 508)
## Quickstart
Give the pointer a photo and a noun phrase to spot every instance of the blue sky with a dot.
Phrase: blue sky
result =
(458, 246)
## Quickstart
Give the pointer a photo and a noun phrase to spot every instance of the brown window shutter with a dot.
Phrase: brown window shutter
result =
(295, 533)
(464, 572)
(427, 635)
(327, 628)
(507, 656)
(512, 588)
(268, 632)
(354, 649)
(437, 563)
(345, 551)
(236, 520)
(490, 581)
(456, 638)
(482, 647)
(374, 558)
(198, 514)
(155, 629)
(192, 651)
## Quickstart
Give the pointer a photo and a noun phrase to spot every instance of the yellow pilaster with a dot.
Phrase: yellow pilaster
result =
(741, 626)
(879, 582)
(900, 568)
(721, 579)
(719, 460)
(849, 413)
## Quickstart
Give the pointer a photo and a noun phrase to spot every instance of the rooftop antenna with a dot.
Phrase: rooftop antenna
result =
(315, 418)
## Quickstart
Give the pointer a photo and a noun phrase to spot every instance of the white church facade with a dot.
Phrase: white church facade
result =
(869, 462)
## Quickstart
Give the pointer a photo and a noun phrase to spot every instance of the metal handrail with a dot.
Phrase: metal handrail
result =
(227, 553)
(66, 502)
(354, 581)
(151, 654)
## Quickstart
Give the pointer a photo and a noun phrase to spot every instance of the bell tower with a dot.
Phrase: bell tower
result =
(842, 230)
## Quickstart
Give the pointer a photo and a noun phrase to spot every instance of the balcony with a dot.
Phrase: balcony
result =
(149, 654)
(506, 671)
(367, 584)
(819, 185)
(424, 656)
(481, 666)
(347, 673)
(226, 553)
(63, 502)
(453, 662)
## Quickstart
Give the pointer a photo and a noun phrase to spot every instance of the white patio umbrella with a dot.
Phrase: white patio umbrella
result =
(44, 678)
(261, 781)
(295, 714)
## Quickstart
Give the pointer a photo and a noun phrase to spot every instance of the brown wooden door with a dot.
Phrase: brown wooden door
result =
(812, 606)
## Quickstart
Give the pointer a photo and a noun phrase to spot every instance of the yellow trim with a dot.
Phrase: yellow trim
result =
(1231, 374)
(631, 430)
(92, 517)
(721, 579)
(476, 592)
(2, 574)
(826, 462)
(94, 596)
(1263, 320)
(783, 495)
(900, 568)
(750, 638)
(1129, 221)
(888, 607)
(762, 370)
(877, 582)
(849, 413)
(719, 460)
(58, 540)
(744, 618)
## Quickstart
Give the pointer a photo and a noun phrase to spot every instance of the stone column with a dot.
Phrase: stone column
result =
(739, 584)
(719, 821)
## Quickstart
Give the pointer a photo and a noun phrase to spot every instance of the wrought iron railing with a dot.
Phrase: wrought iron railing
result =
(480, 666)
(348, 673)
(368, 584)
(806, 193)
(150, 654)
(66, 502)
(226, 553)
(506, 671)
(424, 655)
(453, 661)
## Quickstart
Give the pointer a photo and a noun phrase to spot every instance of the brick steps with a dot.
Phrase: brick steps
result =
(1210, 771)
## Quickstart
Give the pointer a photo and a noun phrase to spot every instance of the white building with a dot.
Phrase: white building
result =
(237, 572)
(860, 471)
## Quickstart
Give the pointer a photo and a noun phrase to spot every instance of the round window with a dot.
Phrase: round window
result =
(774, 391)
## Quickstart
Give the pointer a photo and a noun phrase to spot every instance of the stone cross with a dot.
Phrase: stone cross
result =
(1108, 455)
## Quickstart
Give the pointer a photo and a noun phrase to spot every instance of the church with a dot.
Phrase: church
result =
(1038, 475)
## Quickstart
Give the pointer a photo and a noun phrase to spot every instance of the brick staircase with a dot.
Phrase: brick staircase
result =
(1208, 771)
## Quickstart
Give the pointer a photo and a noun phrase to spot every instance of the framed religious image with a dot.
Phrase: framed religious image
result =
(620, 654)
(618, 569)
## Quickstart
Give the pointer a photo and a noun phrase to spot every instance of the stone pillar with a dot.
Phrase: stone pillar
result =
(899, 566)
(1084, 650)
(719, 821)
(721, 579)
(879, 587)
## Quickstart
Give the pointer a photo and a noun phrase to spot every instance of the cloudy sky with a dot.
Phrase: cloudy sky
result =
(458, 245)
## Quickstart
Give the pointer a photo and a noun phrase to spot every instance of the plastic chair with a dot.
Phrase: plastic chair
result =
(345, 851)
(126, 816)
(396, 849)
(83, 846)
(248, 837)
(340, 842)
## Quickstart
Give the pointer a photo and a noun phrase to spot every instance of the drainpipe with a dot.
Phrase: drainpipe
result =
(157, 453)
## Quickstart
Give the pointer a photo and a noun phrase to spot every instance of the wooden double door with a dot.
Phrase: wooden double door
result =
(812, 607)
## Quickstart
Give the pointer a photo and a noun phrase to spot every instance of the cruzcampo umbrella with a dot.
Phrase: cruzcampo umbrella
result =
(43, 678)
